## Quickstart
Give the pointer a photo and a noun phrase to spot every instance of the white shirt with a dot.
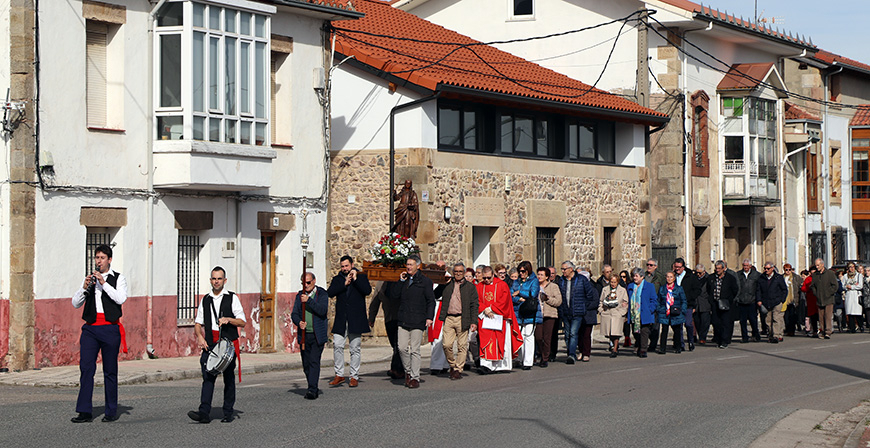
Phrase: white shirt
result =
(118, 294)
(238, 311)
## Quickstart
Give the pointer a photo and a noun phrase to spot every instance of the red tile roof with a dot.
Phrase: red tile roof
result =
(745, 76)
(795, 112)
(427, 55)
(337, 4)
(829, 58)
(862, 116)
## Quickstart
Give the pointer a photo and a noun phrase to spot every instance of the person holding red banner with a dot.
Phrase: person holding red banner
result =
(500, 337)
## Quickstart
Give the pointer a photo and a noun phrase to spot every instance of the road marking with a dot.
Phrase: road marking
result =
(824, 346)
(862, 342)
(678, 364)
(732, 357)
(626, 370)
(781, 351)
(250, 385)
(853, 383)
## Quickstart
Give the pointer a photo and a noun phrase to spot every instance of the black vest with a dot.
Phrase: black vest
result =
(111, 309)
(230, 332)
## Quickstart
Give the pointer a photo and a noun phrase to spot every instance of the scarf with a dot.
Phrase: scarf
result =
(670, 299)
(635, 308)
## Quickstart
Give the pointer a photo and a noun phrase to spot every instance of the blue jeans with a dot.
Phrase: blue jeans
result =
(571, 326)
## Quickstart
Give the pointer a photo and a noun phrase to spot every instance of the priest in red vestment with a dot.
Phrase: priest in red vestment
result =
(496, 350)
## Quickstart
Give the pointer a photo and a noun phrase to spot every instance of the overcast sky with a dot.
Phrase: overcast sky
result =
(838, 26)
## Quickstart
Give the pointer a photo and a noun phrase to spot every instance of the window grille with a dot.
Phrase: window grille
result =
(546, 243)
(188, 278)
(92, 241)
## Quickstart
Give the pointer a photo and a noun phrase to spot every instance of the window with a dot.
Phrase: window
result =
(280, 100)
(700, 135)
(836, 172)
(608, 234)
(733, 107)
(104, 73)
(95, 236)
(734, 148)
(861, 164)
(812, 180)
(751, 161)
(522, 8)
(546, 244)
(457, 128)
(226, 64)
(590, 141)
(188, 277)
(525, 134)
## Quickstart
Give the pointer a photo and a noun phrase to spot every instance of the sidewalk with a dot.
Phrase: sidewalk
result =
(168, 369)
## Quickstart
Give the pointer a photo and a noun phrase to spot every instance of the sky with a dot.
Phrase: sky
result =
(834, 25)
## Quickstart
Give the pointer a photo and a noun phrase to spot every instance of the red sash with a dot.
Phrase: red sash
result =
(101, 320)
(216, 336)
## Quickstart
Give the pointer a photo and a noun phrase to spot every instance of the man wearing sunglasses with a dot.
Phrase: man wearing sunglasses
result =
(313, 326)
(772, 293)
(793, 283)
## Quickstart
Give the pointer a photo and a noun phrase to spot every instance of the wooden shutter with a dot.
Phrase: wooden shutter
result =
(95, 53)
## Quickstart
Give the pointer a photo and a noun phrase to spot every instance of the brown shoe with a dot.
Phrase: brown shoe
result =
(354, 382)
(455, 374)
(336, 381)
(407, 380)
(413, 384)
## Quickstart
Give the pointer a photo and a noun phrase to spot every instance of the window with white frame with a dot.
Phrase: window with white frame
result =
(521, 9)
(212, 73)
(104, 72)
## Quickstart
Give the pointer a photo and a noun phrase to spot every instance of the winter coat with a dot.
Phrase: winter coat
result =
(691, 287)
(528, 289)
(318, 305)
(416, 302)
(550, 307)
(772, 291)
(468, 297)
(350, 304)
(679, 301)
(582, 297)
(649, 301)
(748, 284)
(705, 302)
(825, 286)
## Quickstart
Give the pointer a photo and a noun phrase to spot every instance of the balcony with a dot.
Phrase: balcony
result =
(200, 165)
(749, 183)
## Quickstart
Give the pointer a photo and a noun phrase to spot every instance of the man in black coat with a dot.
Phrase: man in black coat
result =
(350, 288)
(416, 308)
(747, 302)
(723, 289)
(688, 280)
(771, 293)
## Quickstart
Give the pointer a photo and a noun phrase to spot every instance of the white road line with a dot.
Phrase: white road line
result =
(626, 370)
(862, 342)
(853, 383)
(250, 385)
(824, 346)
(732, 357)
(781, 351)
(678, 364)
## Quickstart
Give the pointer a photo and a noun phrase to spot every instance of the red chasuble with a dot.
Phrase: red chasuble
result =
(498, 297)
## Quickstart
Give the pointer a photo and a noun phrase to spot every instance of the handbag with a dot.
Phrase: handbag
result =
(724, 305)
(675, 311)
(529, 309)
(611, 303)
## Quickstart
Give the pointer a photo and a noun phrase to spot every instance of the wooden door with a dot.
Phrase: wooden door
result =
(267, 292)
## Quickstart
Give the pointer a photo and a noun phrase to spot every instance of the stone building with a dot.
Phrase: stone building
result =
(511, 161)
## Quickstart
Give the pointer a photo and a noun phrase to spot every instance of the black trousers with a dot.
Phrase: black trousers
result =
(723, 326)
(702, 324)
(748, 313)
(653, 336)
(95, 339)
(208, 381)
(641, 338)
(678, 336)
(392, 328)
(311, 361)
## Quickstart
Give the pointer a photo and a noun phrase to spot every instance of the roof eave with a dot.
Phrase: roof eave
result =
(398, 81)
(331, 12)
(633, 117)
(754, 32)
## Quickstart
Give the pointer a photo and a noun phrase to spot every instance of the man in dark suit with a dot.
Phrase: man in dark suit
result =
(722, 289)
(350, 288)
(772, 292)
(747, 301)
(416, 308)
(688, 280)
(312, 329)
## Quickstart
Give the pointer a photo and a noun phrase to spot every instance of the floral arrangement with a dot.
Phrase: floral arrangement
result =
(393, 249)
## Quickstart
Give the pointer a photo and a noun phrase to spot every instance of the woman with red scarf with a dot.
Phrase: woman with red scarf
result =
(672, 303)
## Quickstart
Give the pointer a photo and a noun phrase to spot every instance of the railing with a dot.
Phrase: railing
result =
(744, 179)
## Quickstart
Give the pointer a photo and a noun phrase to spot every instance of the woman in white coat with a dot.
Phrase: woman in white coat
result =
(853, 283)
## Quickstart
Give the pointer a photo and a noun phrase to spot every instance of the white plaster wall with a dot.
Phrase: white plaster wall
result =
(361, 114)
(838, 129)
(578, 55)
(630, 144)
(60, 246)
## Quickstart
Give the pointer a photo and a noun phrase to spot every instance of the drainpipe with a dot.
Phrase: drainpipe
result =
(149, 253)
(393, 112)
(826, 220)
(782, 193)
(687, 167)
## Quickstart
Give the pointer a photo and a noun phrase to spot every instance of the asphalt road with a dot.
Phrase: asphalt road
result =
(709, 397)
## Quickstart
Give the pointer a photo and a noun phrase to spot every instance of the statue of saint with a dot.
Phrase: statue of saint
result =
(407, 212)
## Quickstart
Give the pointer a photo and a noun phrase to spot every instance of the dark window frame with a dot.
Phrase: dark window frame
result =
(480, 125)
(521, 5)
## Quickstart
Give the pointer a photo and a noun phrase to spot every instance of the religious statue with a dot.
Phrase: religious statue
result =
(407, 212)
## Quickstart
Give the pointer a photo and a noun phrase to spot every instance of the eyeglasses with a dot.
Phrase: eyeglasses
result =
(309, 283)
(487, 278)
(522, 271)
(650, 264)
(459, 272)
(566, 269)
